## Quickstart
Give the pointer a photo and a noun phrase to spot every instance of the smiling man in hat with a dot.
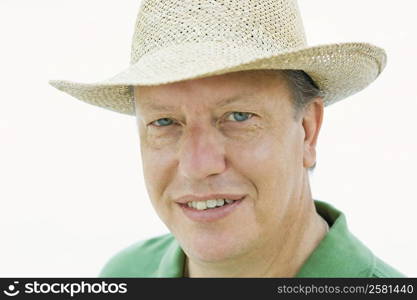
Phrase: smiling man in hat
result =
(229, 102)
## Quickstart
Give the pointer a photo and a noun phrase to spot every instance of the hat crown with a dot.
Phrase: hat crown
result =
(270, 25)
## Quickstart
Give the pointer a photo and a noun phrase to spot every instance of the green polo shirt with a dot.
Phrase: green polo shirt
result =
(339, 254)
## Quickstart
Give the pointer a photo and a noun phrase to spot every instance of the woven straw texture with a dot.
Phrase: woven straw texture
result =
(177, 40)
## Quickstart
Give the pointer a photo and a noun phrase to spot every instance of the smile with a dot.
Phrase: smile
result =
(209, 210)
(208, 204)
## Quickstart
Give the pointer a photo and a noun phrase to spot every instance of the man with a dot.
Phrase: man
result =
(229, 102)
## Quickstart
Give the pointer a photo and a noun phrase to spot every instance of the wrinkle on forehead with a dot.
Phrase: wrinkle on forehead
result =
(210, 91)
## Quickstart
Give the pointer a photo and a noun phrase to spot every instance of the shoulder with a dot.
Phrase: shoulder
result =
(383, 270)
(140, 259)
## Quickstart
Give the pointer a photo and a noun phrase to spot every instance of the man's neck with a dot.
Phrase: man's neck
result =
(281, 257)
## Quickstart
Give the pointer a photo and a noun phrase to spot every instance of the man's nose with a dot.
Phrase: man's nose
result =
(202, 153)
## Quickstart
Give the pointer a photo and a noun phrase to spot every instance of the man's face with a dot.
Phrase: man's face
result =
(227, 136)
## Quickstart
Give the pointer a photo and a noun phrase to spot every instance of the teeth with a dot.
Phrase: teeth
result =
(212, 203)
(220, 202)
(201, 205)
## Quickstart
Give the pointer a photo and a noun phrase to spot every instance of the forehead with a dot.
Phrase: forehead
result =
(219, 90)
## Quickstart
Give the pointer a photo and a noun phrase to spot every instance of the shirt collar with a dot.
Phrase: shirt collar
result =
(172, 263)
(339, 253)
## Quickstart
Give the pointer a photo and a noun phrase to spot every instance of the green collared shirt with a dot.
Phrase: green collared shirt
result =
(339, 254)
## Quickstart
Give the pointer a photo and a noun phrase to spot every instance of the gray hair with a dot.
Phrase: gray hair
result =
(303, 90)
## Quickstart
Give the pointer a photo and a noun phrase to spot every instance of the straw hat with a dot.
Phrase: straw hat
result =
(177, 40)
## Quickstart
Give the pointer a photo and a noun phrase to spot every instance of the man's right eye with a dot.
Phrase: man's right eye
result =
(163, 122)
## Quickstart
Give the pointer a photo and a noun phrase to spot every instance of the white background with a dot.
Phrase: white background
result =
(71, 187)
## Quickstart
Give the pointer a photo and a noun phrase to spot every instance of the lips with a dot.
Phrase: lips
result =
(209, 204)
(195, 198)
(209, 214)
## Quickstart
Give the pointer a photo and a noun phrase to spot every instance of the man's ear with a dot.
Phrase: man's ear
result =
(312, 119)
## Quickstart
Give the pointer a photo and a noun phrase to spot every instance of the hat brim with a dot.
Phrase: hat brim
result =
(339, 70)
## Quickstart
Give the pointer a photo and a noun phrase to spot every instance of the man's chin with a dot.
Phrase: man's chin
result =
(210, 255)
(211, 250)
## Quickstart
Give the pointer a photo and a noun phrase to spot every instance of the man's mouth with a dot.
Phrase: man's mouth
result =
(209, 204)
(210, 210)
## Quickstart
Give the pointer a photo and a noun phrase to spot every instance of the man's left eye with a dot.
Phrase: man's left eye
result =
(239, 116)
(163, 122)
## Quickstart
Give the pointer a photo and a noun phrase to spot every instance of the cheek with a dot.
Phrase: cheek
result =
(157, 168)
(259, 162)
(261, 155)
(269, 163)
(158, 174)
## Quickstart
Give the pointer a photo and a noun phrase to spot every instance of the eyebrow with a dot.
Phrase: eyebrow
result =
(149, 103)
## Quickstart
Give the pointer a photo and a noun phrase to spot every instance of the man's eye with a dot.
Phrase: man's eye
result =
(239, 116)
(162, 122)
